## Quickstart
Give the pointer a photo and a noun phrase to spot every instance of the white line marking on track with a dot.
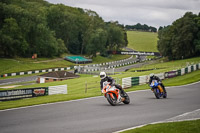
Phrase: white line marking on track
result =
(185, 85)
(50, 103)
(165, 121)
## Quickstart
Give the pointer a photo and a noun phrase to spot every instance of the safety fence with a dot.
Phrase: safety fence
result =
(108, 64)
(32, 92)
(36, 71)
(132, 81)
(83, 69)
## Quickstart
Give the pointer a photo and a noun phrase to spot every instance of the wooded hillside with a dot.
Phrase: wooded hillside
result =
(181, 39)
(36, 26)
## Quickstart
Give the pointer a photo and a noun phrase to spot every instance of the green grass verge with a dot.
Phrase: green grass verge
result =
(171, 127)
(182, 80)
(21, 65)
(176, 81)
(163, 66)
(28, 64)
(100, 59)
(76, 90)
(142, 41)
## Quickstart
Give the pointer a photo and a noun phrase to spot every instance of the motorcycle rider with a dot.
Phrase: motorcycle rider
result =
(153, 77)
(105, 78)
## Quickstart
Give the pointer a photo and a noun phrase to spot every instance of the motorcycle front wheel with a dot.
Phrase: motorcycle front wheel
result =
(157, 93)
(112, 101)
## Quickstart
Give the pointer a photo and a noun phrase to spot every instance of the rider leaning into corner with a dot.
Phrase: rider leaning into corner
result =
(153, 77)
(105, 78)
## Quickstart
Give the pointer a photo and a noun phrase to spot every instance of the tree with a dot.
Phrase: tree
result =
(184, 32)
(197, 39)
(68, 26)
(181, 39)
(116, 37)
(97, 42)
(12, 41)
(36, 26)
(164, 42)
(141, 27)
(92, 23)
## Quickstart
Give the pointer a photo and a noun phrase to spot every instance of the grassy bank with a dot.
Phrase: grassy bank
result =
(27, 64)
(171, 127)
(77, 87)
(142, 41)
(76, 90)
(164, 66)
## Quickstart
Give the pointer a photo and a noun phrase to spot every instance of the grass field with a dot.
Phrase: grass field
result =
(76, 87)
(26, 64)
(164, 66)
(171, 127)
(142, 41)
(19, 64)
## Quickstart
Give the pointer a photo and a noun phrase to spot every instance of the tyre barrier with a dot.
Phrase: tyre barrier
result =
(36, 71)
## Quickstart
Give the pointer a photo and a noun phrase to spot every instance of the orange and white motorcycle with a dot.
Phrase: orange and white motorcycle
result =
(112, 94)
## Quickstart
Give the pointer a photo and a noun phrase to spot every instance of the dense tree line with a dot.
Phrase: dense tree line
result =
(181, 39)
(141, 27)
(36, 26)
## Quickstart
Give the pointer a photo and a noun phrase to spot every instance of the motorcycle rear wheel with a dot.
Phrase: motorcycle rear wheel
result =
(165, 95)
(127, 99)
(112, 101)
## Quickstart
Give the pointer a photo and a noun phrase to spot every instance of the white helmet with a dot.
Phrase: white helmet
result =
(102, 75)
(152, 75)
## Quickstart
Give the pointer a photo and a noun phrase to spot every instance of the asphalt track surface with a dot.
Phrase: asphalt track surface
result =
(34, 78)
(95, 115)
(17, 80)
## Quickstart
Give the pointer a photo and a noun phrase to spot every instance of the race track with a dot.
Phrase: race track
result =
(95, 115)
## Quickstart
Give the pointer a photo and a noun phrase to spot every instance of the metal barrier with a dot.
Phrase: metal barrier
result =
(132, 81)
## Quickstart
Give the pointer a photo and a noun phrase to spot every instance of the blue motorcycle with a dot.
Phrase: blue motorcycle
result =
(157, 89)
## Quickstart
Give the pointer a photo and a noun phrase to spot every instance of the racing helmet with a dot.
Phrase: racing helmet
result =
(102, 75)
(151, 75)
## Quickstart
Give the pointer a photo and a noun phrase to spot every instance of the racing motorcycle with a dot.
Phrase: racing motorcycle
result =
(112, 94)
(157, 89)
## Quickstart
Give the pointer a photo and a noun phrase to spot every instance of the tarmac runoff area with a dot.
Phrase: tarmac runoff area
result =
(189, 116)
(194, 115)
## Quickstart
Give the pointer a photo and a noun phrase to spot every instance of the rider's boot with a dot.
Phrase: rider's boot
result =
(164, 89)
(123, 94)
